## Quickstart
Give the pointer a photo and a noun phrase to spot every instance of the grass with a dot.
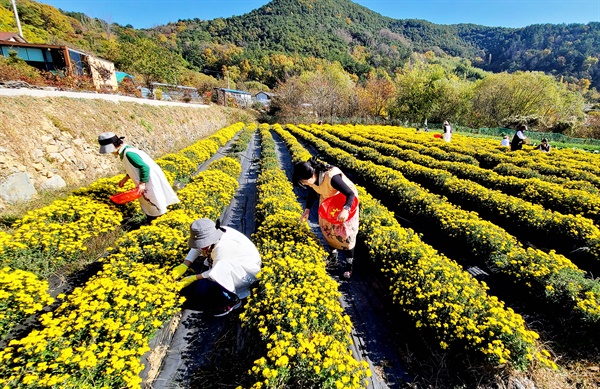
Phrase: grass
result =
(58, 124)
(147, 125)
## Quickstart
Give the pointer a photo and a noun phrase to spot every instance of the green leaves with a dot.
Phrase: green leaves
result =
(153, 61)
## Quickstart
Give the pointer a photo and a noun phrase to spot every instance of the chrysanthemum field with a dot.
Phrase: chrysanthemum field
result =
(431, 212)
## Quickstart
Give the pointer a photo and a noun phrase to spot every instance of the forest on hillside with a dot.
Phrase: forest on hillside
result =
(342, 60)
(360, 39)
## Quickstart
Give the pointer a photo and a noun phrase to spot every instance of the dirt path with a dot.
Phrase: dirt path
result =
(193, 338)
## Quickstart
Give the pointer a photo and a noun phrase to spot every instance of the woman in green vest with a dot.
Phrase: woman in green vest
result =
(156, 192)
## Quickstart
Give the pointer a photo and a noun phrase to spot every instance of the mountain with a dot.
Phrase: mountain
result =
(360, 39)
(569, 50)
(330, 29)
(285, 37)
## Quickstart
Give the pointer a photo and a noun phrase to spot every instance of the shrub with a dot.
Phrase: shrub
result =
(14, 68)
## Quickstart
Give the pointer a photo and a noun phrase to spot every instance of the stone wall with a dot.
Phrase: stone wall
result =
(48, 143)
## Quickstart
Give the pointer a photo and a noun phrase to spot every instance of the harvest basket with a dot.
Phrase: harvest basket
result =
(331, 207)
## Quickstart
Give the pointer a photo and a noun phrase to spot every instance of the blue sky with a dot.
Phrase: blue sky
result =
(503, 13)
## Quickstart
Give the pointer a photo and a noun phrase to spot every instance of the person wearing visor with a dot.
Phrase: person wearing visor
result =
(325, 181)
(149, 179)
(233, 262)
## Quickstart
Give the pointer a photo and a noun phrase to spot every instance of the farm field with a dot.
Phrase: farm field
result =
(484, 258)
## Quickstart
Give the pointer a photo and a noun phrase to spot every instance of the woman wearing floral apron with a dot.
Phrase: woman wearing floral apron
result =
(327, 181)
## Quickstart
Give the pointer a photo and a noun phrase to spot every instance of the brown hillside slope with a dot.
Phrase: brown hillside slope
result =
(50, 136)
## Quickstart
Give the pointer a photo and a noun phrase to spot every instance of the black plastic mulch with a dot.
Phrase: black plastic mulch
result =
(205, 351)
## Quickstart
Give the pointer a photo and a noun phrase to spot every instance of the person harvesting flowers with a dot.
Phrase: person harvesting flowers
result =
(233, 262)
(149, 179)
(327, 181)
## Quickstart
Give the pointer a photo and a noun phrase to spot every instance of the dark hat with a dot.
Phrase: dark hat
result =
(203, 233)
(107, 142)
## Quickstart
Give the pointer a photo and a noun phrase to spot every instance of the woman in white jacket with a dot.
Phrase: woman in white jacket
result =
(156, 192)
(232, 261)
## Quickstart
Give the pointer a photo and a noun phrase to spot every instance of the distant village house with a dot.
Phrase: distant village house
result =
(56, 59)
(221, 96)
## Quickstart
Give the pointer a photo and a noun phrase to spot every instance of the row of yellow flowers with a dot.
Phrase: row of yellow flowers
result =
(22, 294)
(556, 163)
(96, 337)
(509, 169)
(489, 156)
(590, 160)
(440, 295)
(45, 238)
(544, 227)
(550, 195)
(296, 308)
(574, 165)
(483, 153)
(185, 162)
(547, 274)
(565, 158)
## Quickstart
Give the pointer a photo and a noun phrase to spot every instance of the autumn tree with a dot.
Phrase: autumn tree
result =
(152, 62)
(288, 99)
(453, 102)
(375, 95)
(325, 93)
(278, 67)
(329, 91)
(507, 98)
(417, 91)
(212, 56)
